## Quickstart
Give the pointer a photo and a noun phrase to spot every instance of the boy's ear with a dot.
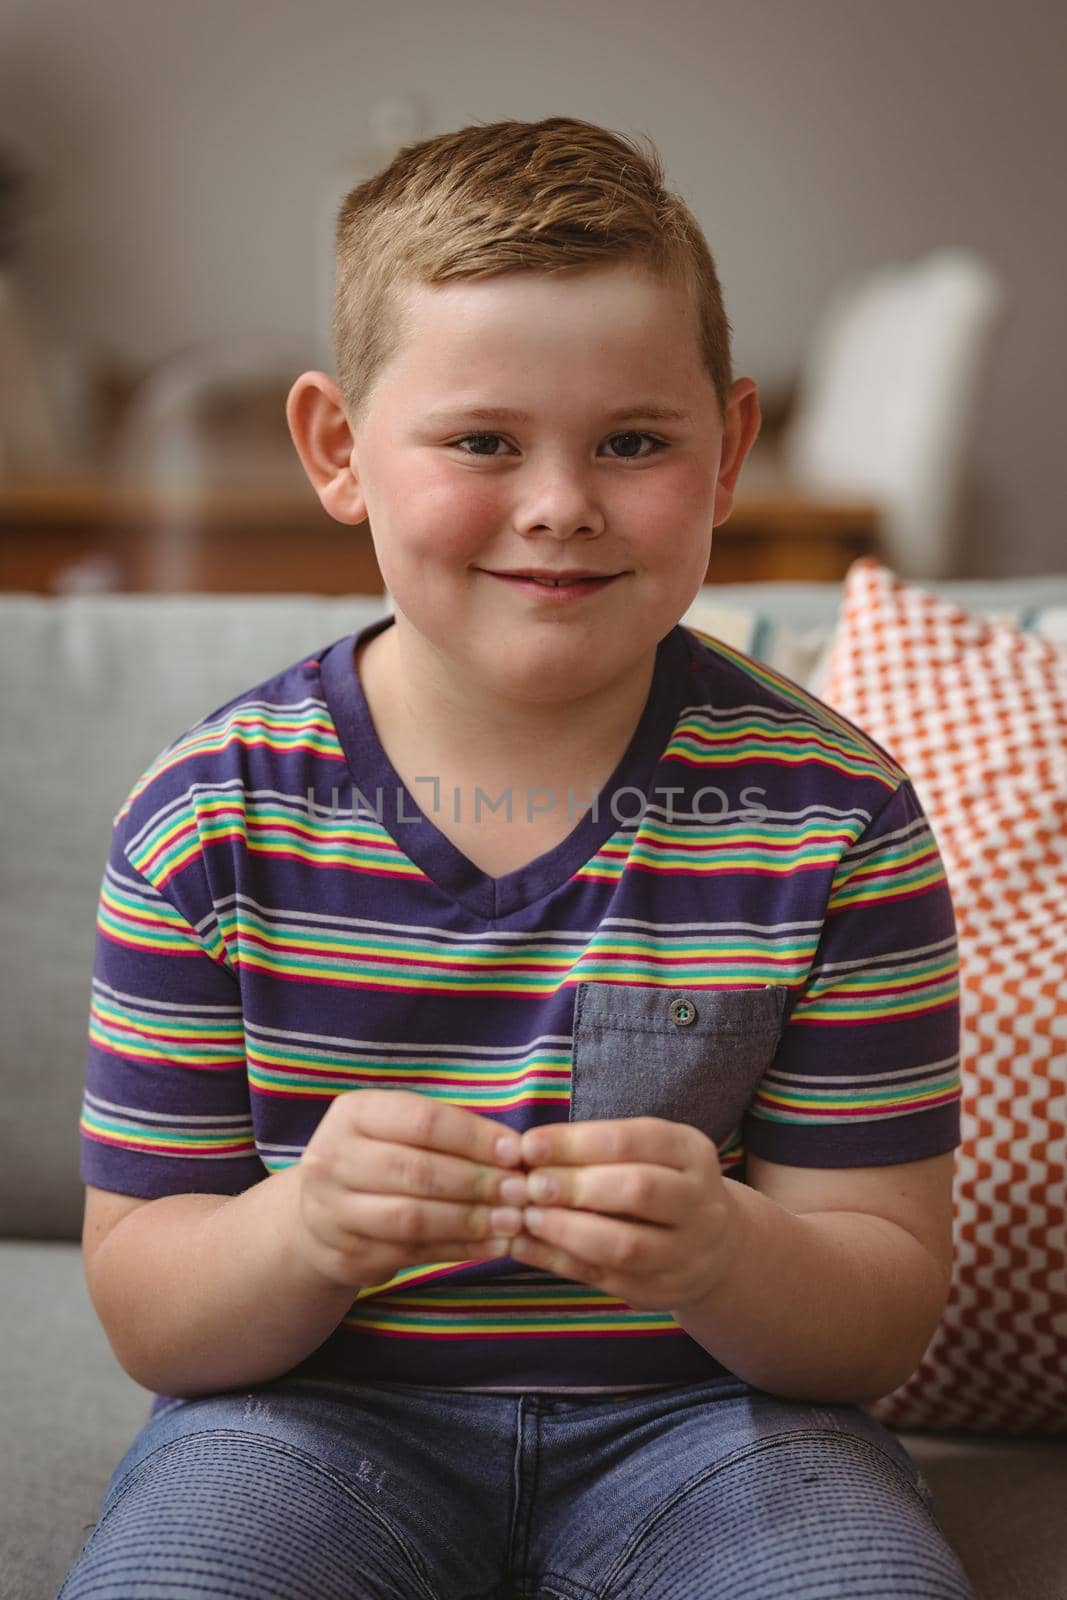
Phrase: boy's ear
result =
(319, 429)
(740, 431)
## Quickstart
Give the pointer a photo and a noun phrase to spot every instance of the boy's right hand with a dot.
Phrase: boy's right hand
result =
(391, 1179)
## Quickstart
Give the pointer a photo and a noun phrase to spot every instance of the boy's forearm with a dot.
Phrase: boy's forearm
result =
(833, 1306)
(199, 1293)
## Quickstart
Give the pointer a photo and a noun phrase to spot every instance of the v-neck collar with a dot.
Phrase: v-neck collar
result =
(423, 842)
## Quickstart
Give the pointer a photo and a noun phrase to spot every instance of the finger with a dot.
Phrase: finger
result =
(379, 1167)
(614, 1245)
(549, 1257)
(411, 1118)
(414, 1163)
(430, 1253)
(408, 1219)
(605, 1139)
(637, 1191)
(452, 1250)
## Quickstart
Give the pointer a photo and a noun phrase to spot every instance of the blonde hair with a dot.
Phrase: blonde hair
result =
(507, 197)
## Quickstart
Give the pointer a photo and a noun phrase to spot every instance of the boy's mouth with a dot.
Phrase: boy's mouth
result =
(580, 575)
(567, 585)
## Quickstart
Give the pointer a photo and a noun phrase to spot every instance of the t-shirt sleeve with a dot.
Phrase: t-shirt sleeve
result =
(166, 1104)
(867, 1069)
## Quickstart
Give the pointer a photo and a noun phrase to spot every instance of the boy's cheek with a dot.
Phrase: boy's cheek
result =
(443, 497)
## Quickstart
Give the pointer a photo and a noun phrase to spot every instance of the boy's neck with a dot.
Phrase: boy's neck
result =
(490, 740)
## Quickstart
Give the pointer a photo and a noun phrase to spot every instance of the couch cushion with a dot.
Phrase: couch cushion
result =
(976, 713)
(996, 1501)
(95, 686)
(68, 1413)
(791, 625)
(803, 604)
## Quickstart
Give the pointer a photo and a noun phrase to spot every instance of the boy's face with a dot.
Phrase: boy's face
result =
(455, 498)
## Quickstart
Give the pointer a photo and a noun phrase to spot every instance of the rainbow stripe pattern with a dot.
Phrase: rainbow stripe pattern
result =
(281, 921)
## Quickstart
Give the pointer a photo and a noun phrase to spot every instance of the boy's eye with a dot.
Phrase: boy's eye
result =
(656, 444)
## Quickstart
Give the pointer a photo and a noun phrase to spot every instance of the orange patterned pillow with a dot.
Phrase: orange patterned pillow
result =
(976, 713)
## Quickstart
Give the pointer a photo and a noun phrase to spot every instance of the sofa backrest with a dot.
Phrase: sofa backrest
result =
(94, 687)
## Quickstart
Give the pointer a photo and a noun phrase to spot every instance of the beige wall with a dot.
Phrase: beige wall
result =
(185, 144)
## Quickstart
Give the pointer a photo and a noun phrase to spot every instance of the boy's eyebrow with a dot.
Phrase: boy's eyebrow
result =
(644, 411)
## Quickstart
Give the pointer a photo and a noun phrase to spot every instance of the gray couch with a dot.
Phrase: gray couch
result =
(93, 688)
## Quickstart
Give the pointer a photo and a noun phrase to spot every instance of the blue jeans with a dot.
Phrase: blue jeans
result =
(310, 1490)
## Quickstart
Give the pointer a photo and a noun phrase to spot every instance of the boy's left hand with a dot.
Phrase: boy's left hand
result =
(641, 1211)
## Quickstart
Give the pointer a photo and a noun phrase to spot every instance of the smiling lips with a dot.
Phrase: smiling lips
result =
(578, 576)
(558, 589)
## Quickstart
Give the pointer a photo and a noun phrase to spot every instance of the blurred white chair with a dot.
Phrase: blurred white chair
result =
(213, 414)
(888, 397)
(30, 446)
(203, 425)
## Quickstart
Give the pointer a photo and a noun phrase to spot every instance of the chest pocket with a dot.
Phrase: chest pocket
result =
(689, 1055)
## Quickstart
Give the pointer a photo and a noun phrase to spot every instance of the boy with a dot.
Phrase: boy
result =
(572, 896)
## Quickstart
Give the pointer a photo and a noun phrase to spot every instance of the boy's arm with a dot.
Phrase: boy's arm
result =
(834, 1305)
(200, 1292)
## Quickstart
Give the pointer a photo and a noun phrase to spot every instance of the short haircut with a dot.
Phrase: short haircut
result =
(508, 197)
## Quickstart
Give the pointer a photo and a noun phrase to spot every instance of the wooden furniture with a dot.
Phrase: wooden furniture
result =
(79, 534)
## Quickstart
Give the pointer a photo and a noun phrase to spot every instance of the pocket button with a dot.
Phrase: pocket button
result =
(682, 1011)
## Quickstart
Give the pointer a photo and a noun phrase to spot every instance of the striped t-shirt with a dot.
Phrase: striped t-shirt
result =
(751, 931)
